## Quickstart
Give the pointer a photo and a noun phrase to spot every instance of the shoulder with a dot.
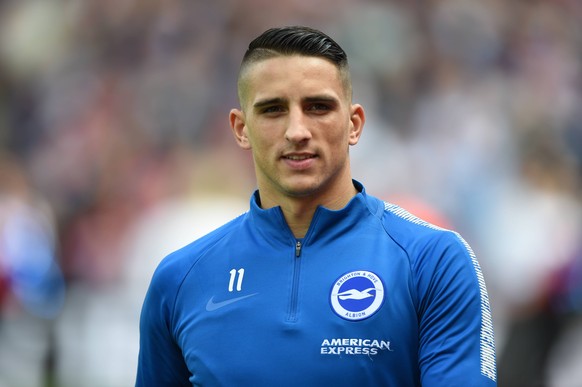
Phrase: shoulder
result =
(425, 244)
(412, 232)
(436, 255)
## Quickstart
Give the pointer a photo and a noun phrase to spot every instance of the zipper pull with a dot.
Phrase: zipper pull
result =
(298, 249)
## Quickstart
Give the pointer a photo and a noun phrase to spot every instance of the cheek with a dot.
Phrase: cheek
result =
(262, 146)
(338, 134)
(264, 135)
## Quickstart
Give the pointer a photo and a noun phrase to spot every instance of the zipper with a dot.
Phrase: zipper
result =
(292, 316)
(297, 249)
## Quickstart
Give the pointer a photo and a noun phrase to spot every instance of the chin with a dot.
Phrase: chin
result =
(302, 189)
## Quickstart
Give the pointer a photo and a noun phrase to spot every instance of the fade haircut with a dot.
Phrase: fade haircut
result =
(295, 40)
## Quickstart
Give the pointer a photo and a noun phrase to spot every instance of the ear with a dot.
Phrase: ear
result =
(239, 128)
(357, 118)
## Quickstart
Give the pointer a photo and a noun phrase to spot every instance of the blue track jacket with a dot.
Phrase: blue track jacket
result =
(371, 296)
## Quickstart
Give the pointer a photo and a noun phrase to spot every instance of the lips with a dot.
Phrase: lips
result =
(299, 157)
(299, 161)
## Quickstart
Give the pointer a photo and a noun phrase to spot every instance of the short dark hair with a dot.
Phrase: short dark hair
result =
(296, 40)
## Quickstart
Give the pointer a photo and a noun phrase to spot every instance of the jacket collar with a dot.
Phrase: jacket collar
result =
(326, 223)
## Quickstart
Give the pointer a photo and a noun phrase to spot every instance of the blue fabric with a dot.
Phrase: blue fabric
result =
(370, 296)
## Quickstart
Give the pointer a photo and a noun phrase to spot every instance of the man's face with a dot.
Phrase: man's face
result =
(298, 121)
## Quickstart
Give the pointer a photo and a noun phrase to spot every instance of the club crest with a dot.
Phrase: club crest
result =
(357, 295)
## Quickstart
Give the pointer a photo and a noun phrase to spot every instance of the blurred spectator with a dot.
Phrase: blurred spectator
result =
(536, 226)
(32, 288)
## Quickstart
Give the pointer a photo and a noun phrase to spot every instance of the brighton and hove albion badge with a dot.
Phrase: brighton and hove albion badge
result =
(357, 295)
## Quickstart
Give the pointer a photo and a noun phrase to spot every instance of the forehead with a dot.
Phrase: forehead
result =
(287, 76)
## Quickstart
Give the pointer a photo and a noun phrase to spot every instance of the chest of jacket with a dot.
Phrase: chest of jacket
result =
(343, 303)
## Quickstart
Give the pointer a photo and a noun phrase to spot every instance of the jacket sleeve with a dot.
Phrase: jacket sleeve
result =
(456, 333)
(160, 361)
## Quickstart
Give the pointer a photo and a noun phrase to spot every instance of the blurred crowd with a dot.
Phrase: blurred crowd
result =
(115, 149)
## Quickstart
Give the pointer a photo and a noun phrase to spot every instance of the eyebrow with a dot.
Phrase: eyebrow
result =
(267, 102)
(321, 98)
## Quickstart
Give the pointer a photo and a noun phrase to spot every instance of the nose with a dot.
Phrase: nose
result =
(297, 127)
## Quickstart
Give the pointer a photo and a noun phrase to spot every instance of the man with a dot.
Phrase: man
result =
(318, 283)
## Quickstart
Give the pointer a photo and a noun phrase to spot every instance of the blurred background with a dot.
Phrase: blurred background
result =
(115, 149)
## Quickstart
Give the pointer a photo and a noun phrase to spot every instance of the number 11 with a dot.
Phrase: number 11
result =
(233, 272)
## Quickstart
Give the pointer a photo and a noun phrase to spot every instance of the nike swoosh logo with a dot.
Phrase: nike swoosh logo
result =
(212, 306)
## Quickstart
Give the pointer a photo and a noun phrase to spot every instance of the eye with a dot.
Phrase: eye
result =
(272, 109)
(318, 107)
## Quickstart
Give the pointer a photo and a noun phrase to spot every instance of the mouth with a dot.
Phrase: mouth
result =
(299, 157)
(299, 161)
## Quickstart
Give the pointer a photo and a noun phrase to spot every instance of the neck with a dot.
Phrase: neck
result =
(299, 211)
